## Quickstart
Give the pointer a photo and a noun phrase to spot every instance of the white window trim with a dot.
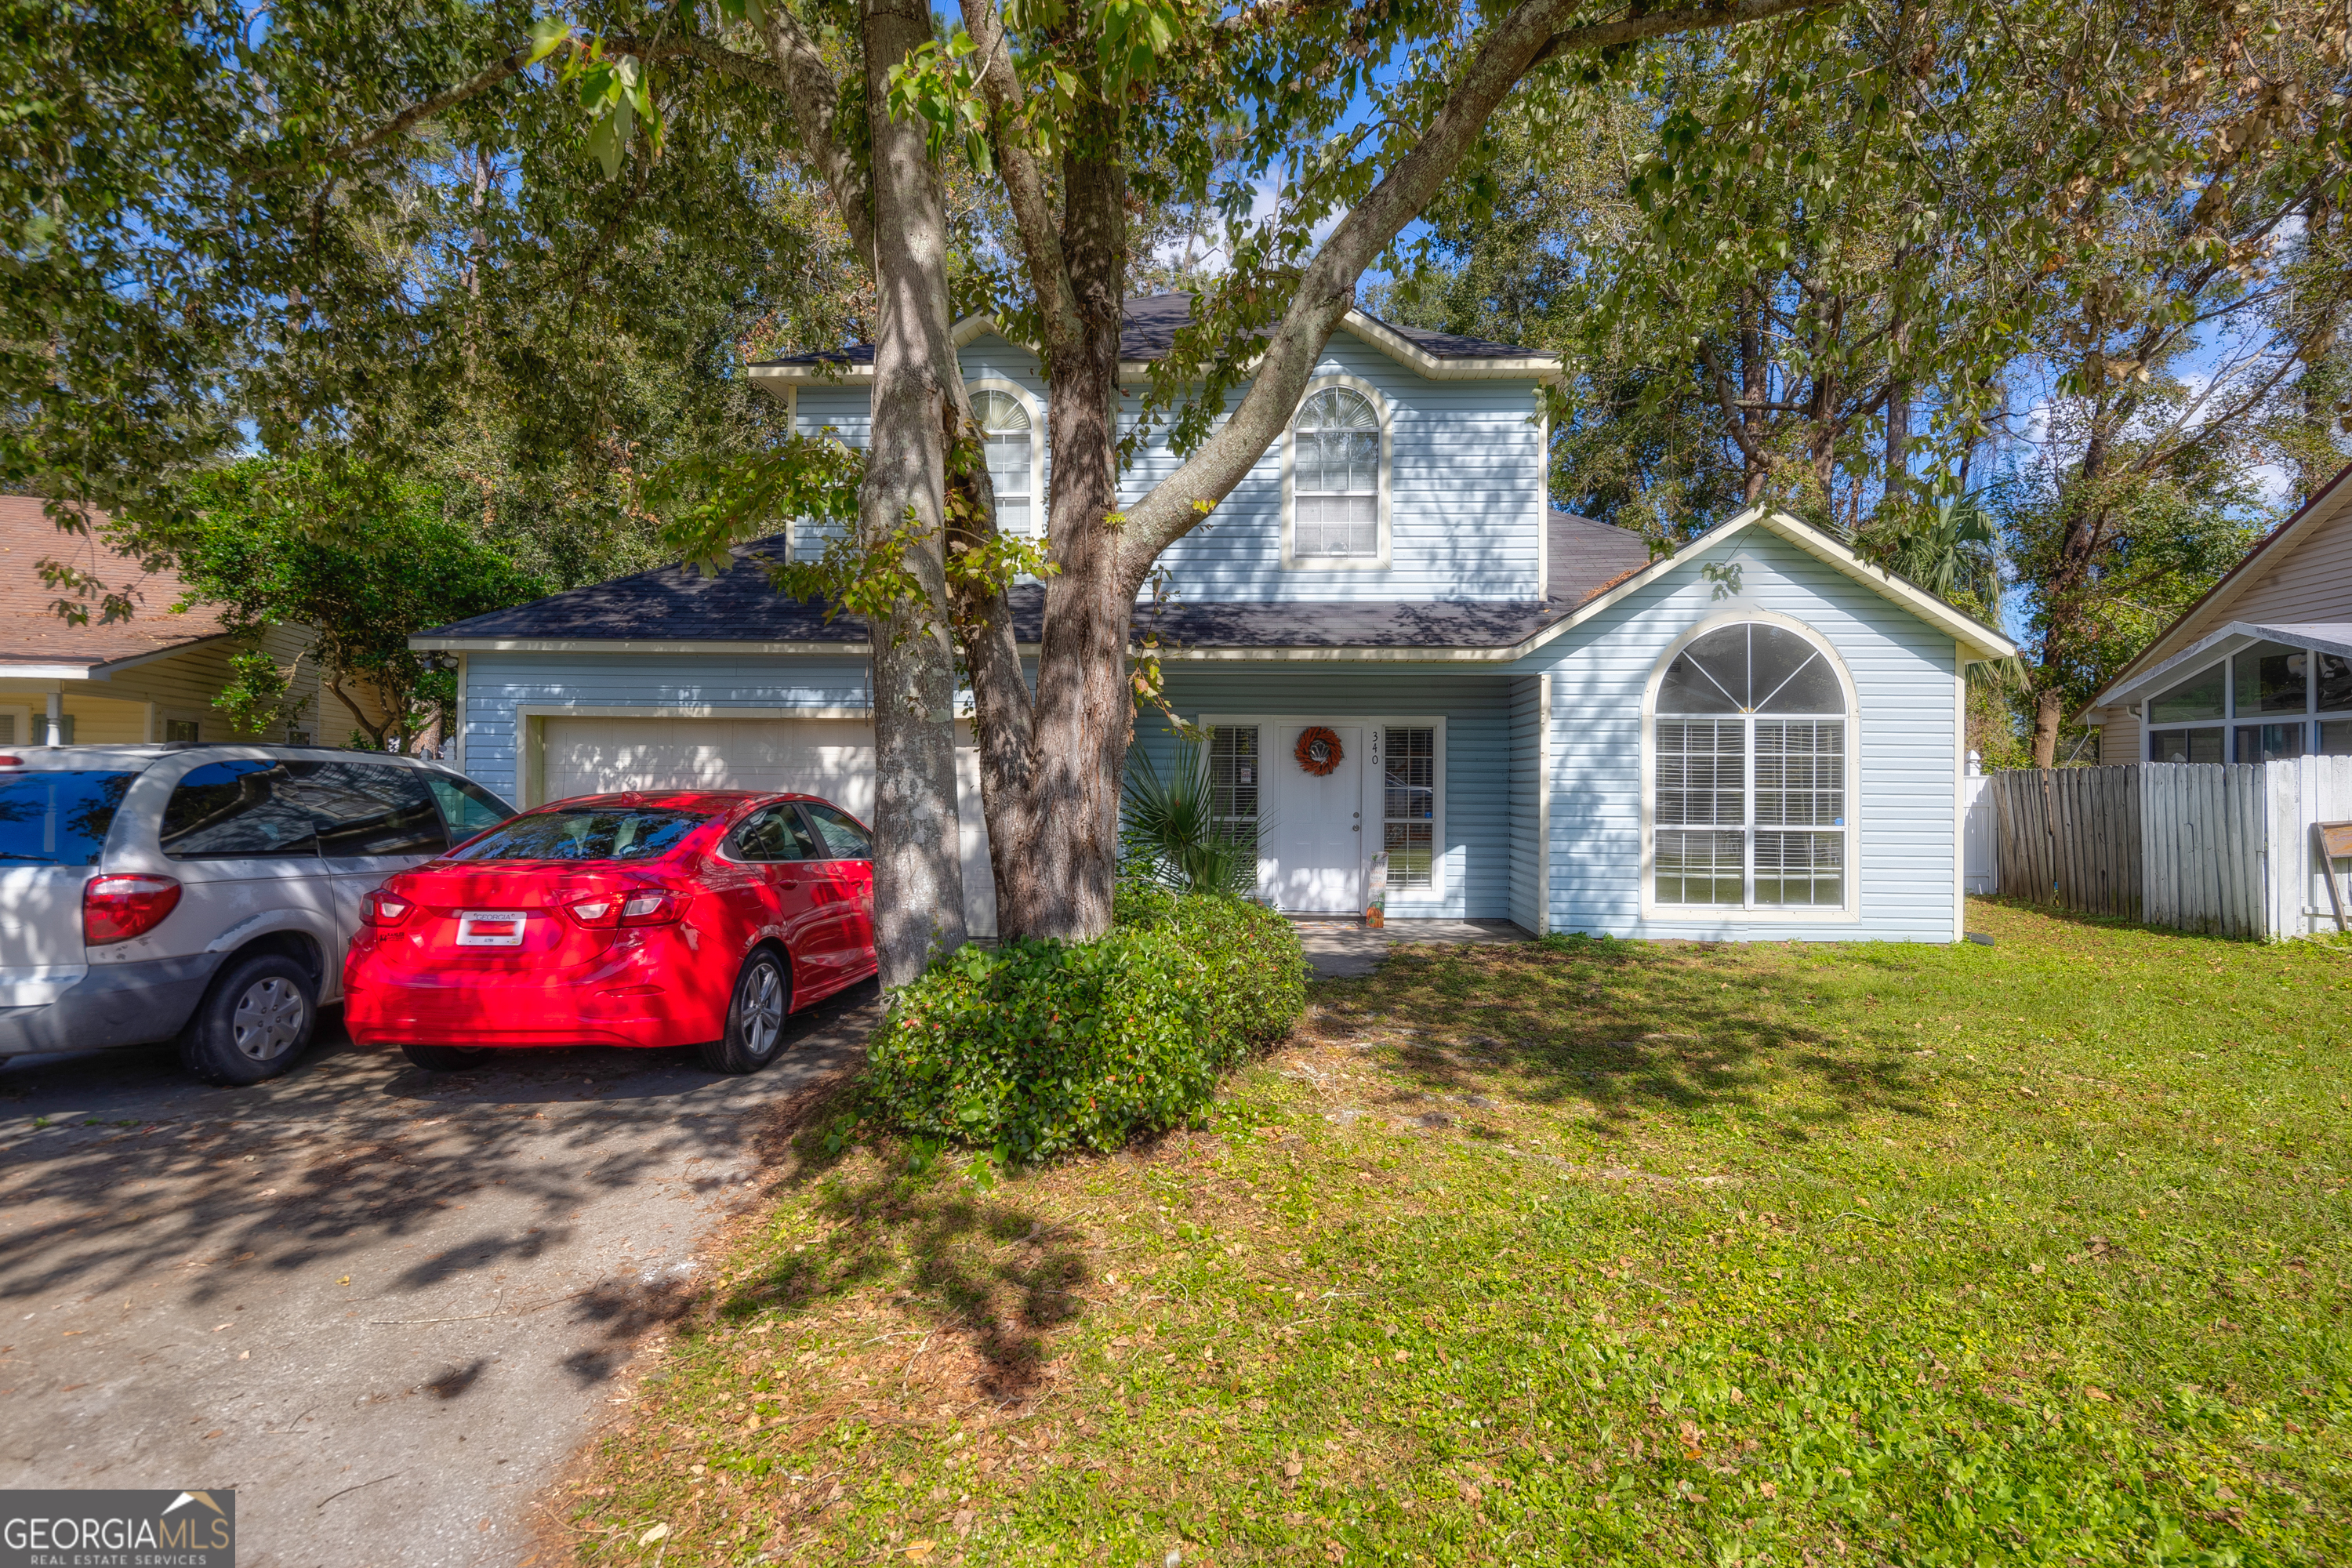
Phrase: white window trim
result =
(1372, 802)
(1035, 407)
(1378, 560)
(1850, 909)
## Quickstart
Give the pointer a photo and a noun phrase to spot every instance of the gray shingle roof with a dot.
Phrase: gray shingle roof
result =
(1150, 322)
(677, 604)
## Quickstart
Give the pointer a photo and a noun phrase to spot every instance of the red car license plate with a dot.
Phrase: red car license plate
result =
(490, 928)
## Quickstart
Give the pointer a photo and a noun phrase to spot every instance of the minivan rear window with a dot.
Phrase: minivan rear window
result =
(57, 817)
(635, 833)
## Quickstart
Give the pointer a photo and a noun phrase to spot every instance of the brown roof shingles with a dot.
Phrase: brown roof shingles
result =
(31, 632)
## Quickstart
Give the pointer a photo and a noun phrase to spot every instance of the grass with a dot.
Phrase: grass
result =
(1583, 1251)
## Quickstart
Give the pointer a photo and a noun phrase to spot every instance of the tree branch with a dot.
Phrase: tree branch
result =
(1732, 422)
(1658, 24)
(815, 100)
(1024, 183)
(1532, 33)
(709, 51)
(401, 123)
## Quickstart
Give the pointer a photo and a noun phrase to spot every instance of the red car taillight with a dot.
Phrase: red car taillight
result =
(116, 908)
(383, 909)
(607, 909)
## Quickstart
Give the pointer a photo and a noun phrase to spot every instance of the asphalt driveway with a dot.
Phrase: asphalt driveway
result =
(384, 1306)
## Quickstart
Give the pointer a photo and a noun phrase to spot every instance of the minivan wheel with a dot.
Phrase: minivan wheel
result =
(446, 1058)
(755, 1018)
(254, 1022)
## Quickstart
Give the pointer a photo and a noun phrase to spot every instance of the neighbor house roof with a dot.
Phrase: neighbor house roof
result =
(1147, 328)
(677, 609)
(36, 641)
(2152, 679)
(2206, 629)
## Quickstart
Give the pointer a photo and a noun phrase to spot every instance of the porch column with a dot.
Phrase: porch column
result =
(56, 732)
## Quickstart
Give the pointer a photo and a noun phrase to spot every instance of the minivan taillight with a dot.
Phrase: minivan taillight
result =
(382, 909)
(116, 908)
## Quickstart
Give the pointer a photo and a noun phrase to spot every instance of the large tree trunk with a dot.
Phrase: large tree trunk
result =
(2049, 714)
(1052, 792)
(918, 872)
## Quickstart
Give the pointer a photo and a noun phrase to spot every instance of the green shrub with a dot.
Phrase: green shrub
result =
(1038, 1047)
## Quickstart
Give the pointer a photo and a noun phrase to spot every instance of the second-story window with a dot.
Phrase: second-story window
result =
(1336, 477)
(1004, 426)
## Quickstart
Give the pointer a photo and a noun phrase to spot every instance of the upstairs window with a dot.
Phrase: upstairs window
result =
(1335, 477)
(1010, 437)
(1749, 749)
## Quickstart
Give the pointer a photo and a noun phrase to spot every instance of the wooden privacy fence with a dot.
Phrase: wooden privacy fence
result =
(2221, 848)
(2208, 826)
(2072, 837)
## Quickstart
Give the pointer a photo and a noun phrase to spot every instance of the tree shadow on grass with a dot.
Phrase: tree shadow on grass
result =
(980, 1267)
(1626, 1028)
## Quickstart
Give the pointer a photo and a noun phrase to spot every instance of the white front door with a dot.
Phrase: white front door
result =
(1314, 855)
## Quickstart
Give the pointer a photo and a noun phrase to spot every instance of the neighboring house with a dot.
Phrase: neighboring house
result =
(2258, 670)
(151, 677)
(1756, 736)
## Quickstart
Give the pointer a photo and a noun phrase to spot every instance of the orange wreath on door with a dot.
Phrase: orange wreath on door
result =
(1317, 750)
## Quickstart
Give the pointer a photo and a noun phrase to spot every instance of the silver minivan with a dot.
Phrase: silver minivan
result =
(199, 893)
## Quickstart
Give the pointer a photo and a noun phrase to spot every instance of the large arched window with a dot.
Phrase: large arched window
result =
(1011, 437)
(1751, 743)
(1335, 479)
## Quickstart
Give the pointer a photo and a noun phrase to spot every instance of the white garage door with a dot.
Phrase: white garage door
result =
(828, 757)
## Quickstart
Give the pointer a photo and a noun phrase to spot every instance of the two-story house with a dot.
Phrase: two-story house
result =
(1408, 658)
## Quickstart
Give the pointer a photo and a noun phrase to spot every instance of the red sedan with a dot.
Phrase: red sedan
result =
(657, 918)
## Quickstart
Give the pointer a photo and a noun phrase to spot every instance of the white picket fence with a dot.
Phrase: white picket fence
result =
(2224, 847)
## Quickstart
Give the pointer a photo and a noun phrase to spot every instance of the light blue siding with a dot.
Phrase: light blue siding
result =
(1904, 742)
(498, 685)
(1905, 738)
(1466, 487)
(1527, 785)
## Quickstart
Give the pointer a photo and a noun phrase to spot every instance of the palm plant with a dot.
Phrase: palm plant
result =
(1170, 832)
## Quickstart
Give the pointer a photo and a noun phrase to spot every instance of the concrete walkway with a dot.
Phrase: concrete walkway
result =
(1348, 950)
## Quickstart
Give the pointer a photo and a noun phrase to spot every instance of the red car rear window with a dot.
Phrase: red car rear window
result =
(630, 833)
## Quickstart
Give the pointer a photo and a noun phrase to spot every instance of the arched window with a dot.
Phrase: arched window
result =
(1752, 744)
(1006, 428)
(1335, 475)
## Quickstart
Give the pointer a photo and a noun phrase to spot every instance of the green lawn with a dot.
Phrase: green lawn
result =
(1584, 1252)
